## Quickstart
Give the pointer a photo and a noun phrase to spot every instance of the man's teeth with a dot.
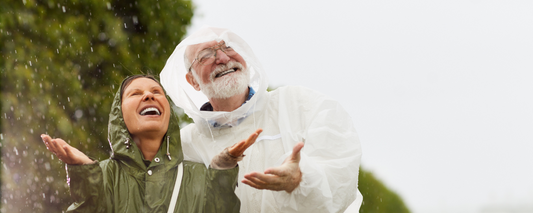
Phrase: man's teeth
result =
(151, 110)
(225, 72)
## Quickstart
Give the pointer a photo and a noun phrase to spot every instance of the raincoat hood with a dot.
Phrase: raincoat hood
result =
(185, 96)
(124, 149)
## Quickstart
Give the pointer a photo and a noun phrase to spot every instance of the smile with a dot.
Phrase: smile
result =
(150, 111)
(225, 72)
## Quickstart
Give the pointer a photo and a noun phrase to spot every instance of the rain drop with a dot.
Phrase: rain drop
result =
(63, 7)
(15, 150)
(78, 114)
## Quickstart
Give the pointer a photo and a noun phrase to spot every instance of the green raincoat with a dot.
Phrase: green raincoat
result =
(124, 183)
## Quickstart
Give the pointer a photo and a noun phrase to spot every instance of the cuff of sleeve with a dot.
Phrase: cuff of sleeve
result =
(84, 180)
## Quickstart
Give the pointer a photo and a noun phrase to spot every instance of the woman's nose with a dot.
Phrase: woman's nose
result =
(148, 96)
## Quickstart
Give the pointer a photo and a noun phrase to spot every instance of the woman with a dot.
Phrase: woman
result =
(146, 161)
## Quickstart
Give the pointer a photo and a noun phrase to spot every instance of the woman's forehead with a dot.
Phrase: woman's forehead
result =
(142, 82)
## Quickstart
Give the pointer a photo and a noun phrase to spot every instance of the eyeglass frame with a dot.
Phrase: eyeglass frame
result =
(213, 48)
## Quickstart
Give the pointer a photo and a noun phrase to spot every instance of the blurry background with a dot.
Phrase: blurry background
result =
(439, 91)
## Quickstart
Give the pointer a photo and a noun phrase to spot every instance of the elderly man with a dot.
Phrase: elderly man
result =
(214, 76)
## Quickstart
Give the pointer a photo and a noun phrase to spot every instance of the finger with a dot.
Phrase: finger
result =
(267, 179)
(295, 156)
(256, 181)
(68, 151)
(239, 148)
(236, 149)
(59, 151)
(52, 145)
(252, 184)
(252, 138)
(46, 140)
(278, 171)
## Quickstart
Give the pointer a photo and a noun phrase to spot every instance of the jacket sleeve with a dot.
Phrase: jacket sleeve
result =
(220, 190)
(331, 155)
(87, 188)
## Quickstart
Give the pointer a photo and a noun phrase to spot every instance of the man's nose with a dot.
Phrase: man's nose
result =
(148, 96)
(221, 57)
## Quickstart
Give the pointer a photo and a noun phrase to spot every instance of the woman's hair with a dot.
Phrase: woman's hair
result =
(129, 79)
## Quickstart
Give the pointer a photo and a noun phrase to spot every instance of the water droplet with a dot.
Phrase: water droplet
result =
(15, 150)
(108, 6)
(78, 114)
(63, 7)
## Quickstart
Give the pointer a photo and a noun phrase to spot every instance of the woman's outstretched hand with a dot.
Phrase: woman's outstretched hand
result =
(65, 152)
(228, 158)
(238, 149)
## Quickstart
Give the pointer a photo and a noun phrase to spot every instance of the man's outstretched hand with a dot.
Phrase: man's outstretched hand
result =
(285, 177)
(65, 152)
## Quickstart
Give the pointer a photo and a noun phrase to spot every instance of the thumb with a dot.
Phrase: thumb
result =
(295, 156)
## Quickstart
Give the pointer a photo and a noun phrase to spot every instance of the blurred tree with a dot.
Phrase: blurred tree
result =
(377, 198)
(60, 63)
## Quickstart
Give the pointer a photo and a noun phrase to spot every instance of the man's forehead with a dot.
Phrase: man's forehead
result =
(199, 47)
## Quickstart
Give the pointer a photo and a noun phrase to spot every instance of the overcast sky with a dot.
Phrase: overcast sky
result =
(441, 92)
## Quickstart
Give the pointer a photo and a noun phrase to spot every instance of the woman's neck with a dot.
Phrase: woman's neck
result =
(149, 146)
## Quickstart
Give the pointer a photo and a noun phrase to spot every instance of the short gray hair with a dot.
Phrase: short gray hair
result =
(186, 61)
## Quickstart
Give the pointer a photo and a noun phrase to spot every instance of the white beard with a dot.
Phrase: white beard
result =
(226, 86)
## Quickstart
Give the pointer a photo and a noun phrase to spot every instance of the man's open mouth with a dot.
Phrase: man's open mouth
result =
(225, 72)
(150, 111)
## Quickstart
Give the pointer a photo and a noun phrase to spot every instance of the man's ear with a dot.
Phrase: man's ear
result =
(192, 81)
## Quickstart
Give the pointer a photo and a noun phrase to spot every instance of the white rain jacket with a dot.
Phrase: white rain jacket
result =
(331, 156)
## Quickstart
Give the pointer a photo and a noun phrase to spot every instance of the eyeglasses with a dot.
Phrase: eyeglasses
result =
(208, 55)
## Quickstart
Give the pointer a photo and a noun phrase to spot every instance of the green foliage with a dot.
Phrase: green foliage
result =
(376, 197)
(61, 62)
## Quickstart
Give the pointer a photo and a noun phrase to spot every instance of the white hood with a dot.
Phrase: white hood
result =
(185, 96)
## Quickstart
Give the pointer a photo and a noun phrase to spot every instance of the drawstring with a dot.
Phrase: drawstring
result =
(168, 153)
(209, 127)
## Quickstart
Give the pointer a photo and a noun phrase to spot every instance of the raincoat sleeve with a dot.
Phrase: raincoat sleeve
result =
(220, 192)
(87, 188)
(331, 155)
